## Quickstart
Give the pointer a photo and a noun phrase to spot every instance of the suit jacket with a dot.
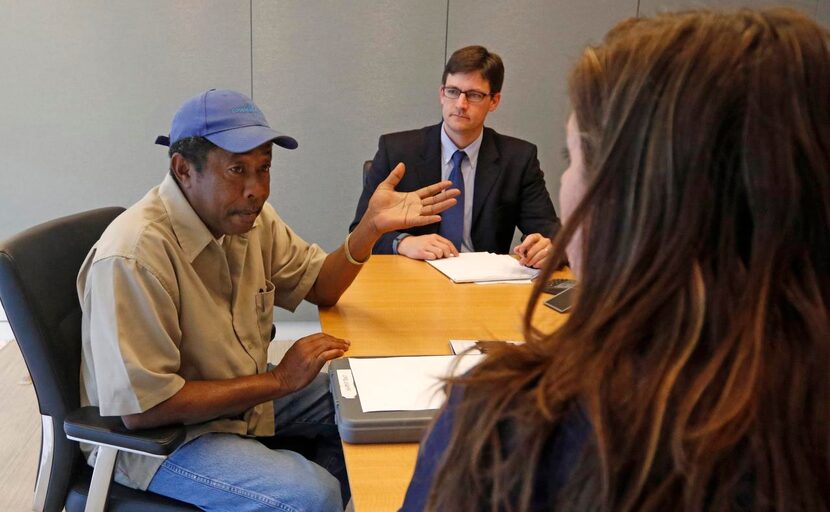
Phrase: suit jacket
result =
(509, 186)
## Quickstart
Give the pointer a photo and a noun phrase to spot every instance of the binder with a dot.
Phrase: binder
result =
(358, 427)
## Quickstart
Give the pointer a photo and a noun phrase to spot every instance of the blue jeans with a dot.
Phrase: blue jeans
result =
(230, 472)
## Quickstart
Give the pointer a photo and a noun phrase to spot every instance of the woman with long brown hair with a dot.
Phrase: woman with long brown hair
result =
(693, 372)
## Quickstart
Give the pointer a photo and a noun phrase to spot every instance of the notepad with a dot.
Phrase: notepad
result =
(471, 267)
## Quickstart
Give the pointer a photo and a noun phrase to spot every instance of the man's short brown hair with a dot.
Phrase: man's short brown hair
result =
(476, 58)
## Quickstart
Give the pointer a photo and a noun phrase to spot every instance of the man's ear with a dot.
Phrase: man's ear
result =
(181, 169)
(494, 103)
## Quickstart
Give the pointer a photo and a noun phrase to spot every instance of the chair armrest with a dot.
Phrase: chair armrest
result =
(86, 425)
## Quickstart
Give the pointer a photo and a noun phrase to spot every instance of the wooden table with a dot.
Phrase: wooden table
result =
(399, 306)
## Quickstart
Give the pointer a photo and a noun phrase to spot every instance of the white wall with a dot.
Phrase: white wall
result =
(85, 86)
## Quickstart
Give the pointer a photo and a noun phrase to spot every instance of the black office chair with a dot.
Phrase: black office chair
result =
(38, 270)
(367, 165)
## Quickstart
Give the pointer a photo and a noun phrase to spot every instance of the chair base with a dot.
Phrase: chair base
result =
(123, 499)
(44, 471)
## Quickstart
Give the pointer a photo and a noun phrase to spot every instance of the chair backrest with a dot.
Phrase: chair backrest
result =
(38, 270)
(367, 166)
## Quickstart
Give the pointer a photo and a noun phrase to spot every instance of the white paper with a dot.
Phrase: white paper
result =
(469, 267)
(405, 383)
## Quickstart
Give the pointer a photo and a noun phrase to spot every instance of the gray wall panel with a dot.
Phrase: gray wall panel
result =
(823, 12)
(538, 41)
(88, 85)
(336, 78)
(649, 7)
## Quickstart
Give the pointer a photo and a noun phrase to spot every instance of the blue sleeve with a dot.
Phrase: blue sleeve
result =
(560, 455)
(429, 456)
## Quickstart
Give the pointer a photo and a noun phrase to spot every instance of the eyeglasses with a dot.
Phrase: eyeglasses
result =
(472, 95)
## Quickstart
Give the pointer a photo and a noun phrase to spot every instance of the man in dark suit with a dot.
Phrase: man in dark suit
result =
(499, 176)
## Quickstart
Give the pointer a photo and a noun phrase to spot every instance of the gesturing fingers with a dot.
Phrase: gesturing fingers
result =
(435, 189)
(439, 197)
(395, 176)
(389, 210)
(431, 206)
(436, 208)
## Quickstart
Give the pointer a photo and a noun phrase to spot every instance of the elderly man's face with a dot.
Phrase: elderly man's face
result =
(231, 189)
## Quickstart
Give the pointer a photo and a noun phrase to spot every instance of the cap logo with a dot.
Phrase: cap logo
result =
(246, 108)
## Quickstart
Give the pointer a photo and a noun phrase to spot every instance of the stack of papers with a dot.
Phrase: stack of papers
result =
(472, 267)
(406, 383)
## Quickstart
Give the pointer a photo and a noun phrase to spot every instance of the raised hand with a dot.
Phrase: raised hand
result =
(390, 210)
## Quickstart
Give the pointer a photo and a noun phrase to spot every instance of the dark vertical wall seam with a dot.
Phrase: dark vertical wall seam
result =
(446, 33)
(638, 8)
(251, 15)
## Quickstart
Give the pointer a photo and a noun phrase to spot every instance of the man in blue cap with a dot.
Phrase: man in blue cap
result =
(178, 298)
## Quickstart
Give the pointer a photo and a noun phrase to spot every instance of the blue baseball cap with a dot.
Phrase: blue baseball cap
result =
(226, 118)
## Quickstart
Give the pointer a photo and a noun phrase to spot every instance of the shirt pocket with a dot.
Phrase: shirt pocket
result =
(265, 310)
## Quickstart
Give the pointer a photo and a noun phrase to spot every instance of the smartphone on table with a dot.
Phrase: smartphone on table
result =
(562, 301)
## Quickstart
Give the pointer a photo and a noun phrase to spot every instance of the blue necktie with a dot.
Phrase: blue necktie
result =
(452, 220)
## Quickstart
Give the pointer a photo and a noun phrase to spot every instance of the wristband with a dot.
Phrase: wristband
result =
(349, 257)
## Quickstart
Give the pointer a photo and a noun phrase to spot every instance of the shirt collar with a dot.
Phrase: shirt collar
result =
(192, 234)
(448, 148)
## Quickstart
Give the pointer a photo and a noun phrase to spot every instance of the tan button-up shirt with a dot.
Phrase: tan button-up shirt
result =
(163, 302)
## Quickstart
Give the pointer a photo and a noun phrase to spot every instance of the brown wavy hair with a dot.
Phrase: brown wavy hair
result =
(698, 348)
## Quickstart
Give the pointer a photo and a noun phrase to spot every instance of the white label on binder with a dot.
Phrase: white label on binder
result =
(346, 382)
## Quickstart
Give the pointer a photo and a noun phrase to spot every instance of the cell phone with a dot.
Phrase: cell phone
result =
(557, 286)
(562, 302)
